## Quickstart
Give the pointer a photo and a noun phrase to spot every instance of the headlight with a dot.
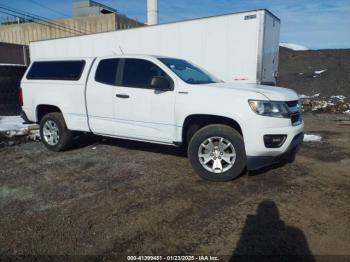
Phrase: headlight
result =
(269, 108)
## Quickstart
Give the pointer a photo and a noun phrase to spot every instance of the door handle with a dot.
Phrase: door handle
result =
(122, 95)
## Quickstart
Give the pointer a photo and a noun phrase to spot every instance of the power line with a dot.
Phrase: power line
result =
(48, 8)
(40, 18)
(34, 19)
(40, 23)
(37, 17)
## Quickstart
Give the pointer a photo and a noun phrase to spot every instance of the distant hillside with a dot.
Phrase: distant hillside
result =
(315, 71)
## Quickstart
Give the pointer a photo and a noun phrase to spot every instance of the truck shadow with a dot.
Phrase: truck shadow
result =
(281, 163)
(86, 140)
(265, 237)
(264, 170)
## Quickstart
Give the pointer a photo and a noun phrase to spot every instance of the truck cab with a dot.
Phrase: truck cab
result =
(224, 126)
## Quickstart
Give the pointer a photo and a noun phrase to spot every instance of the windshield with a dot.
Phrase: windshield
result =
(188, 72)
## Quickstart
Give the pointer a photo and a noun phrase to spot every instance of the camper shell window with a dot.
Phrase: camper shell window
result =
(56, 70)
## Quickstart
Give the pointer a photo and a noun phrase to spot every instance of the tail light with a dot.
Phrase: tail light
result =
(20, 97)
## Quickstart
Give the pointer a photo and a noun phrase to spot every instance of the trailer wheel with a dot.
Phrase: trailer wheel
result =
(54, 133)
(217, 153)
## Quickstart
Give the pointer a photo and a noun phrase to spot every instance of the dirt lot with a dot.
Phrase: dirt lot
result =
(115, 197)
(297, 71)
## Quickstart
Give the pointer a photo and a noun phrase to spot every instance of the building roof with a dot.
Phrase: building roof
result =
(89, 7)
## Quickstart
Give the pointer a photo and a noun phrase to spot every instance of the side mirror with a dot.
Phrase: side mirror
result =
(161, 83)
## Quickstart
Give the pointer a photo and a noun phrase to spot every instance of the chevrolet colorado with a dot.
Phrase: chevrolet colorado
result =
(226, 127)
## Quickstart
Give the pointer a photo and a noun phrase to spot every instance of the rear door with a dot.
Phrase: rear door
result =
(142, 112)
(100, 96)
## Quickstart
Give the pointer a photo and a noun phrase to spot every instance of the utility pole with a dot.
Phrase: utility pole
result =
(152, 12)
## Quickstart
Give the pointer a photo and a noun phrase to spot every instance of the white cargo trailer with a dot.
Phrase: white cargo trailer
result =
(234, 47)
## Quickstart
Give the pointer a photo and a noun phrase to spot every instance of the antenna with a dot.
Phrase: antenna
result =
(121, 50)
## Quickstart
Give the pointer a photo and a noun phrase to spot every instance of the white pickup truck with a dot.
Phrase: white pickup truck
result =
(226, 127)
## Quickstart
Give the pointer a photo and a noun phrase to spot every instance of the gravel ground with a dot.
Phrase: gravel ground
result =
(112, 197)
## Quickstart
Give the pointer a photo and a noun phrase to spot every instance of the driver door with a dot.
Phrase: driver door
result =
(142, 112)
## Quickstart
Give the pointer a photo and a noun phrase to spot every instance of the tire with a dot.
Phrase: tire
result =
(226, 146)
(65, 137)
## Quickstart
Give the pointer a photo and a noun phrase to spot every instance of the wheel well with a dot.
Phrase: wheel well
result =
(42, 110)
(195, 122)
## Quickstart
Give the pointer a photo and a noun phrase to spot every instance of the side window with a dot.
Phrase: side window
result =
(56, 70)
(106, 72)
(139, 73)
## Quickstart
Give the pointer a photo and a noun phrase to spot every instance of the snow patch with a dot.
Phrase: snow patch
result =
(338, 97)
(312, 138)
(305, 96)
(11, 126)
(11, 123)
(294, 47)
(334, 104)
(320, 72)
(319, 105)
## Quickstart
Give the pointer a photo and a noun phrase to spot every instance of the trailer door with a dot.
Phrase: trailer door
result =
(270, 50)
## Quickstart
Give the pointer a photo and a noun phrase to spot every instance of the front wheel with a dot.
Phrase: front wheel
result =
(217, 153)
(54, 133)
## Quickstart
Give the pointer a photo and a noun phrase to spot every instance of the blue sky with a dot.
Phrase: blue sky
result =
(316, 24)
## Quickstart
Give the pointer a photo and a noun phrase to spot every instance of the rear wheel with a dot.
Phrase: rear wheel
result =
(217, 153)
(54, 133)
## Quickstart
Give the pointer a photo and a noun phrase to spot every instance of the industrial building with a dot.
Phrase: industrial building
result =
(88, 8)
(89, 17)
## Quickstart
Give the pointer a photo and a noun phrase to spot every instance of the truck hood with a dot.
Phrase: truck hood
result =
(272, 93)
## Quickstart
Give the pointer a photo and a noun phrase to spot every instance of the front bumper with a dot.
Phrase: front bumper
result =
(256, 128)
(258, 162)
